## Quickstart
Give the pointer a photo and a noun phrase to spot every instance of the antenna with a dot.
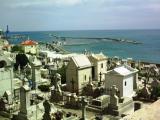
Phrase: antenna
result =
(7, 31)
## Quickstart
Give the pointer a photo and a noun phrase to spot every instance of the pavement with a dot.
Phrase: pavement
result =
(148, 112)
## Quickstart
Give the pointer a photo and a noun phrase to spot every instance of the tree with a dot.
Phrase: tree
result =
(21, 60)
(17, 48)
(62, 72)
(44, 88)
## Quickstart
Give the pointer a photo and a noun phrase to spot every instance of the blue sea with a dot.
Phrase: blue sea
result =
(148, 51)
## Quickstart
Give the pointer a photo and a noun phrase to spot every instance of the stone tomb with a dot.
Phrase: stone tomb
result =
(33, 112)
(119, 106)
(100, 103)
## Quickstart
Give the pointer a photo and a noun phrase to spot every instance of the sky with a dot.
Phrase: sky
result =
(42, 15)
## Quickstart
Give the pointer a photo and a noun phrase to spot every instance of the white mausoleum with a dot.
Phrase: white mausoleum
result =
(124, 77)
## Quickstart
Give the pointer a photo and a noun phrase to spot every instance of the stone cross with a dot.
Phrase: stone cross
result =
(90, 81)
(114, 90)
(114, 100)
(84, 103)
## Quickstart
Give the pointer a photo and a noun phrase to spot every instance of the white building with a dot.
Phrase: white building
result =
(30, 46)
(124, 77)
(99, 62)
(78, 73)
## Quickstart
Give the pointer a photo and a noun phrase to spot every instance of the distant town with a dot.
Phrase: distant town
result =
(42, 81)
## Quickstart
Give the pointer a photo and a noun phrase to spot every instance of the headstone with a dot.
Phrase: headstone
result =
(24, 99)
(36, 73)
(118, 106)
(24, 103)
(84, 103)
(73, 100)
(8, 96)
(89, 88)
(114, 100)
(68, 97)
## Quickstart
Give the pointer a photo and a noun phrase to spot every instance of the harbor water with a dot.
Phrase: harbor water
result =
(148, 51)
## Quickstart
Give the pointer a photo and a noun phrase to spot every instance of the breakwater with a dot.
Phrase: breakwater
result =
(104, 39)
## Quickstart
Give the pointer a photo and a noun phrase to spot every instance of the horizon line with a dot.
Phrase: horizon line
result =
(84, 30)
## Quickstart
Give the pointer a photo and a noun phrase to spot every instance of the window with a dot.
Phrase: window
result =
(125, 83)
(101, 65)
(85, 77)
(93, 73)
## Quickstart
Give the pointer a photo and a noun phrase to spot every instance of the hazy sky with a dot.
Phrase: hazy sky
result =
(26, 15)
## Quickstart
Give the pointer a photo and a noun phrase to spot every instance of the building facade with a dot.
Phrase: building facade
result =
(99, 62)
(30, 46)
(78, 73)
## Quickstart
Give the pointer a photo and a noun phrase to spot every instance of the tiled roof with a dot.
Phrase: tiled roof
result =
(29, 42)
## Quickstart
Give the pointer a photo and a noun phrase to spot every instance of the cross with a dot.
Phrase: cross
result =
(72, 82)
(100, 76)
(90, 81)
(114, 90)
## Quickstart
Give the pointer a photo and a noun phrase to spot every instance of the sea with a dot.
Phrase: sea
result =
(147, 51)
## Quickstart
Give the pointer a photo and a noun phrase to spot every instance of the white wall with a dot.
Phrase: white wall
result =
(30, 49)
(81, 77)
(71, 74)
(6, 75)
(102, 70)
(119, 81)
(128, 88)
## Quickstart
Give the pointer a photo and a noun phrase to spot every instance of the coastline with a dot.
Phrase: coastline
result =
(64, 51)
(147, 52)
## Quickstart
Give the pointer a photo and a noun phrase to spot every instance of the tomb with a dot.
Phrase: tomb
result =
(119, 106)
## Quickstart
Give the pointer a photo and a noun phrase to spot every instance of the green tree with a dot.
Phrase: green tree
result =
(44, 88)
(17, 48)
(62, 72)
(21, 60)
